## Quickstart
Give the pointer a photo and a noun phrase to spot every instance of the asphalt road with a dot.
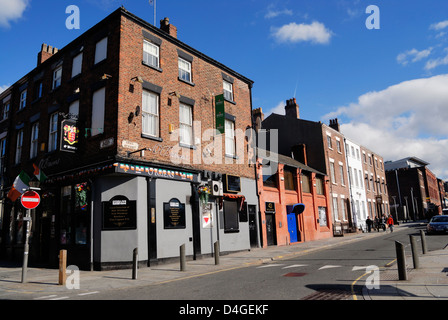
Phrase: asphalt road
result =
(330, 274)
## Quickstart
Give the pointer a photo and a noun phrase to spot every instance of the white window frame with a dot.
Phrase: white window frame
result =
(98, 111)
(230, 145)
(77, 65)
(34, 140)
(57, 78)
(101, 50)
(185, 70)
(23, 96)
(186, 125)
(228, 90)
(19, 146)
(151, 57)
(53, 132)
(5, 111)
(150, 118)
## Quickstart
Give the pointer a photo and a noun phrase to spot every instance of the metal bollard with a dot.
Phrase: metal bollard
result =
(423, 237)
(401, 261)
(415, 258)
(182, 258)
(216, 247)
(135, 264)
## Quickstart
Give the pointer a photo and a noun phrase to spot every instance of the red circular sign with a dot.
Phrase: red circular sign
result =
(30, 200)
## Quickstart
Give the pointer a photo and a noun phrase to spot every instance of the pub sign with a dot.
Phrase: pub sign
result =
(69, 136)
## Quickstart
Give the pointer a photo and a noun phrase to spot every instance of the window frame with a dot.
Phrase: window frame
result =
(53, 132)
(34, 143)
(228, 94)
(151, 55)
(19, 146)
(101, 44)
(79, 69)
(183, 71)
(57, 80)
(230, 138)
(146, 113)
(186, 126)
(23, 98)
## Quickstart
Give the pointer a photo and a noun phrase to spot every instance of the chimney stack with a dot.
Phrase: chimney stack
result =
(168, 28)
(292, 108)
(257, 118)
(334, 123)
(45, 53)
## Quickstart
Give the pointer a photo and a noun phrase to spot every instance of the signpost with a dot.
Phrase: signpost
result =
(30, 200)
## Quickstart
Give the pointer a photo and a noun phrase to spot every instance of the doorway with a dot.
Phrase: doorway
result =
(270, 229)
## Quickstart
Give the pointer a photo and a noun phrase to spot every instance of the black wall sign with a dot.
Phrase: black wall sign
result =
(270, 207)
(120, 214)
(69, 136)
(174, 214)
(232, 183)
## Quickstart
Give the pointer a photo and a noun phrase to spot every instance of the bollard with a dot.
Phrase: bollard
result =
(401, 261)
(182, 258)
(135, 264)
(216, 246)
(423, 237)
(415, 259)
(62, 267)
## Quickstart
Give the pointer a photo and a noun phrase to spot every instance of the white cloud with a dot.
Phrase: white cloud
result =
(278, 109)
(11, 10)
(439, 26)
(316, 32)
(407, 119)
(272, 13)
(434, 63)
(413, 55)
(3, 88)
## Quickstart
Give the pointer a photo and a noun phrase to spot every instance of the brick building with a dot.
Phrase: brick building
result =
(413, 188)
(132, 127)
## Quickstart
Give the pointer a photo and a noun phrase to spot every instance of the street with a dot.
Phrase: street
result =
(330, 274)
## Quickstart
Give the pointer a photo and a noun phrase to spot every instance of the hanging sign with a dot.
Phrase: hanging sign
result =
(220, 113)
(70, 135)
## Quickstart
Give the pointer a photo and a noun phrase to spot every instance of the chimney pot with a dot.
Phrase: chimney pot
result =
(168, 28)
(292, 108)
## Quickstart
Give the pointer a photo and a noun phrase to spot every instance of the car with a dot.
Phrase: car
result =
(438, 224)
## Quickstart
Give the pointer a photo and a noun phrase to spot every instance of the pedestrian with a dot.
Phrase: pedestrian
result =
(369, 223)
(390, 223)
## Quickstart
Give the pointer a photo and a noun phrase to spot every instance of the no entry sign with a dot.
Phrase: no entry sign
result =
(30, 200)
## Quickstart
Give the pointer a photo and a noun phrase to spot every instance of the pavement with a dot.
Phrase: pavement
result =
(428, 282)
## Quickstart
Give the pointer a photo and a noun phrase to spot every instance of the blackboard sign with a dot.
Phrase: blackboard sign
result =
(232, 183)
(120, 214)
(174, 214)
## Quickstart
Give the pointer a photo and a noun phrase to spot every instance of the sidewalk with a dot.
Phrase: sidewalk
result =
(428, 282)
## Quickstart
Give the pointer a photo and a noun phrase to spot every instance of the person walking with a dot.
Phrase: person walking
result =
(390, 223)
(369, 223)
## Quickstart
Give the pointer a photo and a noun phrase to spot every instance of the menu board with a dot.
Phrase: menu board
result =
(174, 214)
(120, 214)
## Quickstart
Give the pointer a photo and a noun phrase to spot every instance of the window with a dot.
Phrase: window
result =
(5, 111)
(101, 50)
(290, 178)
(150, 54)
(57, 78)
(360, 179)
(150, 114)
(341, 172)
(343, 214)
(53, 137)
(270, 179)
(19, 145)
(22, 99)
(184, 70)
(74, 110)
(338, 145)
(329, 142)
(186, 124)
(38, 90)
(77, 65)
(34, 140)
(2, 154)
(320, 185)
(335, 208)
(323, 216)
(306, 187)
(230, 138)
(98, 108)
(228, 90)
(333, 177)
(231, 216)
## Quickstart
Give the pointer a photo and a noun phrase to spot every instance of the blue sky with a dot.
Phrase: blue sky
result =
(388, 86)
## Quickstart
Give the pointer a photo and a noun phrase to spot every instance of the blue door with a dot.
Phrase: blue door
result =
(292, 224)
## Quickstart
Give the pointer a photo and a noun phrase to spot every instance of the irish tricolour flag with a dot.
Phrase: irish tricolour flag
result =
(40, 175)
(21, 182)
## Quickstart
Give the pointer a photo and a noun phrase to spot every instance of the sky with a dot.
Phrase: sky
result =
(382, 73)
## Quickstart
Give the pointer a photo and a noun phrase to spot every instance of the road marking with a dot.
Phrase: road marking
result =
(88, 293)
(46, 297)
(295, 266)
(329, 267)
(60, 298)
(270, 266)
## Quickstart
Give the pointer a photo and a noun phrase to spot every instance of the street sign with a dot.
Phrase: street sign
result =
(30, 200)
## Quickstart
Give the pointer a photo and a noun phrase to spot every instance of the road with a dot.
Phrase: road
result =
(330, 274)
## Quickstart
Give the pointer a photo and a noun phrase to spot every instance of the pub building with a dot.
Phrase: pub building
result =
(118, 120)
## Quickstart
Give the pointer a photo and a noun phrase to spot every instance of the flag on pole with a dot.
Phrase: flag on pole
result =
(40, 175)
(22, 182)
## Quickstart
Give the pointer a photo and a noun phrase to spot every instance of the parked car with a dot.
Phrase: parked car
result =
(438, 224)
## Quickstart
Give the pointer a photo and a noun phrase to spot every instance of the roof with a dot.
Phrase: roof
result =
(278, 158)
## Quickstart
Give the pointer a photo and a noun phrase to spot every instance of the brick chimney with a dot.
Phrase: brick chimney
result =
(292, 108)
(168, 28)
(334, 123)
(257, 118)
(45, 53)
